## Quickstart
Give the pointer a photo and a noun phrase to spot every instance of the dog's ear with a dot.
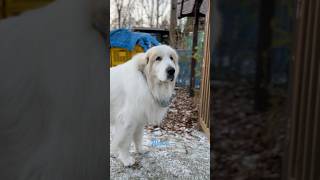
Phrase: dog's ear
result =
(142, 60)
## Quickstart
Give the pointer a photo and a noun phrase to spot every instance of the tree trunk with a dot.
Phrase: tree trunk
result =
(173, 24)
(151, 14)
(119, 18)
(157, 13)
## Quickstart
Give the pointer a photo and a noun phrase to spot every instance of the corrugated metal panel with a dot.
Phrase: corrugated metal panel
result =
(304, 149)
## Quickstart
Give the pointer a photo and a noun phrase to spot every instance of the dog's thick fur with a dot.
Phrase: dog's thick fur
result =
(140, 92)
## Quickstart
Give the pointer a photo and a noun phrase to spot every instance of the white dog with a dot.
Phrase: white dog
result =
(140, 93)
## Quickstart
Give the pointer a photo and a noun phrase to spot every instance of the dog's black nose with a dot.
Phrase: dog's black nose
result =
(171, 71)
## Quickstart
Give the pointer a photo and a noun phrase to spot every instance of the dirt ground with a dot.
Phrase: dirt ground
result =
(247, 145)
(175, 149)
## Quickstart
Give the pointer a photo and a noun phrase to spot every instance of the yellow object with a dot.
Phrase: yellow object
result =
(121, 55)
(15, 7)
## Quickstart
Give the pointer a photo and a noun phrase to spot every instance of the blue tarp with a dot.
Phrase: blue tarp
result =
(123, 38)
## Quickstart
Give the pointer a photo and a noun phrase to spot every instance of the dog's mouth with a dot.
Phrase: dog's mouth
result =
(170, 78)
(167, 81)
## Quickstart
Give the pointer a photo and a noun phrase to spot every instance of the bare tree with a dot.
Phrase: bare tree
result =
(119, 6)
(148, 6)
(157, 12)
(161, 7)
(140, 12)
(124, 11)
(128, 18)
(154, 10)
(130, 9)
(164, 23)
(114, 23)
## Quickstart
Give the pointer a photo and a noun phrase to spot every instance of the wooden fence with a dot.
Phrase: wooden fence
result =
(204, 106)
(304, 146)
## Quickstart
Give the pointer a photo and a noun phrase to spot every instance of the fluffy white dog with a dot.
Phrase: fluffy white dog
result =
(140, 92)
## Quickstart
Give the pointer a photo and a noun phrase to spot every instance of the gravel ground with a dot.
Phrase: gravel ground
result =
(168, 156)
(175, 149)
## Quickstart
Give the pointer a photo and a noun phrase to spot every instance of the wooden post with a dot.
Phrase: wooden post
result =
(194, 45)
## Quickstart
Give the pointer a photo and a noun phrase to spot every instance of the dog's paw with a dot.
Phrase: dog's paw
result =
(145, 153)
(113, 151)
(139, 150)
(128, 161)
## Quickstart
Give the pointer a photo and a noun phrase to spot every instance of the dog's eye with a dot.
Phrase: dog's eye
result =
(158, 58)
(171, 58)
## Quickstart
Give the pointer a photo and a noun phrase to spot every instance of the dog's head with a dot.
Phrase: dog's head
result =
(162, 63)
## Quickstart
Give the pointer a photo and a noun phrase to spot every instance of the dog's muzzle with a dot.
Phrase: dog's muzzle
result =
(170, 73)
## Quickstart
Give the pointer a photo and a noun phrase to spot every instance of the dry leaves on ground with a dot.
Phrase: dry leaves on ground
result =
(182, 116)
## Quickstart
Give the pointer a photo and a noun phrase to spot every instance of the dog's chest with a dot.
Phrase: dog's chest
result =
(148, 111)
(154, 114)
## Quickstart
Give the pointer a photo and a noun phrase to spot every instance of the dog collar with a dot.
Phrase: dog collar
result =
(161, 103)
(164, 103)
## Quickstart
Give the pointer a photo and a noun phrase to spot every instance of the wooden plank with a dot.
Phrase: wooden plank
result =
(304, 157)
(302, 10)
(207, 75)
(205, 86)
(315, 160)
(316, 106)
(208, 70)
(310, 114)
(315, 156)
(304, 92)
(306, 115)
(205, 129)
(207, 93)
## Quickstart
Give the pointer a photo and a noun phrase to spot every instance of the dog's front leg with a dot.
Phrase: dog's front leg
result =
(137, 138)
(123, 140)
